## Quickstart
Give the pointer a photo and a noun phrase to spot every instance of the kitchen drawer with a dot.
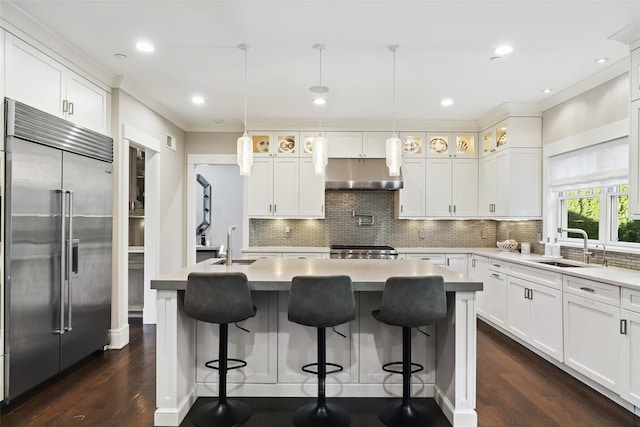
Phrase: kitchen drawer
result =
(631, 299)
(438, 259)
(537, 275)
(302, 255)
(497, 265)
(597, 291)
(260, 255)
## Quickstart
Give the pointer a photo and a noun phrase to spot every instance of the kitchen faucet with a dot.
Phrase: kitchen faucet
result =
(585, 249)
(229, 231)
(605, 261)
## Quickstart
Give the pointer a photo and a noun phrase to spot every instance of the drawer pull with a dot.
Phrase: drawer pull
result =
(584, 288)
(623, 326)
(425, 259)
(495, 275)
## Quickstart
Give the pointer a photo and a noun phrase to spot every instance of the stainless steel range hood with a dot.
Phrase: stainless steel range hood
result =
(360, 174)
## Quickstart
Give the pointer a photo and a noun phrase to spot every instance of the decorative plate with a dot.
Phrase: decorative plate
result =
(286, 145)
(463, 146)
(261, 145)
(410, 146)
(308, 144)
(502, 140)
(439, 145)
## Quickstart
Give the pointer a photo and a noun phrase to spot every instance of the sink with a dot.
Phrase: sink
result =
(561, 264)
(243, 261)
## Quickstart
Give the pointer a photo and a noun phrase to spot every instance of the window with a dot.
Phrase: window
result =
(603, 212)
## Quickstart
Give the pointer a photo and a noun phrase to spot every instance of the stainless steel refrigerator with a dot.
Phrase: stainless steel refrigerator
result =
(57, 250)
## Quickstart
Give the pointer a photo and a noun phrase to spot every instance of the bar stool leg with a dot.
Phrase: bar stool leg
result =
(405, 413)
(321, 413)
(223, 413)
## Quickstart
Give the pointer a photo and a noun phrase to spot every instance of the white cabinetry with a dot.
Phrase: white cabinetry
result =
(257, 347)
(36, 79)
(410, 200)
(457, 263)
(634, 159)
(261, 255)
(297, 346)
(496, 294)
(345, 145)
(592, 330)
(630, 348)
(374, 144)
(478, 269)
(443, 144)
(451, 187)
(272, 187)
(510, 183)
(535, 315)
(311, 191)
(279, 143)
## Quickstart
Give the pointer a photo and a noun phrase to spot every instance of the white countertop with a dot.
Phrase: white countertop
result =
(276, 274)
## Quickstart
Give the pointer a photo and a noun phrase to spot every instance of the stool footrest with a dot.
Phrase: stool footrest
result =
(415, 367)
(337, 367)
(211, 364)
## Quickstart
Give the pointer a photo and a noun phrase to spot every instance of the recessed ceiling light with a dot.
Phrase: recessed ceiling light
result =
(144, 46)
(547, 90)
(601, 60)
(446, 102)
(503, 50)
(319, 101)
(197, 99)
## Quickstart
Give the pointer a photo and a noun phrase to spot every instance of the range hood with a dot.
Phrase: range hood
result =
(360, 174)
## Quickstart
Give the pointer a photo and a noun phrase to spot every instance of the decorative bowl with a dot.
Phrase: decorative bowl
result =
(507, 245)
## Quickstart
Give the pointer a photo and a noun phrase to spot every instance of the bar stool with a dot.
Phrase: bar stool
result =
(321, 302)
(409, 302)
(220, 298)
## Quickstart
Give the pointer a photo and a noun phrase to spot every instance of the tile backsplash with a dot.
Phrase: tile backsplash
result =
(341, 227)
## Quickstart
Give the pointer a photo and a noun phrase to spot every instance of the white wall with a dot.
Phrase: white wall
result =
(226, 207)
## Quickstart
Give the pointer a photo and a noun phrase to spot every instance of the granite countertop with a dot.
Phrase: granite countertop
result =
(276, 274)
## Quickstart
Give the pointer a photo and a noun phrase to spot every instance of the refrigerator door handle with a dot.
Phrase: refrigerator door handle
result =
(70, 259)
(63, 270)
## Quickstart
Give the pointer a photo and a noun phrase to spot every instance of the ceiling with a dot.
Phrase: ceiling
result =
(444, 51)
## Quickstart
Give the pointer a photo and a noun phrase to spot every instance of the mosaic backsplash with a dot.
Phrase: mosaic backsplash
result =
(341, 227)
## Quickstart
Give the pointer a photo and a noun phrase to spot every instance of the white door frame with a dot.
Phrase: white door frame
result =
(194, 160)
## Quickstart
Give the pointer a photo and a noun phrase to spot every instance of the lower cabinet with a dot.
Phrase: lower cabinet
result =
(260, 255)
(297, 346)
(496, 295)
(591, 332)
(630, 348)
(534, 315)
(381, 343)
(478, 269)
(457, 263)
(253, 340)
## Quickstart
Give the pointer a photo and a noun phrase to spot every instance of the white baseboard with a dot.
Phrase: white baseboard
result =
(171, 417)
(118, 338)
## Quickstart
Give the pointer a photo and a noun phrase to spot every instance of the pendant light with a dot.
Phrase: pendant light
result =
(319, 143)
(245, 144)
(394, 144)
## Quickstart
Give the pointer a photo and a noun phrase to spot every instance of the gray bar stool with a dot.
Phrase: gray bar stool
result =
(409, 302)
(220, 298)
(322, 302)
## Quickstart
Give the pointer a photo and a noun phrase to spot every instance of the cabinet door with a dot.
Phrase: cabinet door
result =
(464, 188)
(487, 186)
(634, 160)
(479, 270)
(311, 192)
(260, 188)
(257, 347)
(344, 144)
(519, 308)
(546, 320)
(457, 263)
(298, 344)
(374, 144)
(438, 187)
(522, 183)
(630, 359)
(497, 296)
(411, 198)
(88, 103)
(32, 77)
(381, 343)
(502, 185)
(591, 339)
(285, 187)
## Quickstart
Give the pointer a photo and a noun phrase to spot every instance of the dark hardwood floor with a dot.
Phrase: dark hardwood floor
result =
(117, 388)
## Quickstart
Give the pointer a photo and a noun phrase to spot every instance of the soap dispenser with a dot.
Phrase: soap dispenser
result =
(556, 248)
(548, 248)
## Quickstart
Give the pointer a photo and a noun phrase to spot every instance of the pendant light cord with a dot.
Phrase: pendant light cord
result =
(245, 90)
(393, 48)
(321, 107)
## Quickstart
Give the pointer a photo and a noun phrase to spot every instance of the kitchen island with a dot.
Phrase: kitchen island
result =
(275, 348)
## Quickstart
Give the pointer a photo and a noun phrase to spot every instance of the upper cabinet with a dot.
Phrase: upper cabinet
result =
(453, 145)
(272, 144)
(357, 144)
(36, 79)
(635, 74)
(413, 144)
(634, 137)
(522, 132)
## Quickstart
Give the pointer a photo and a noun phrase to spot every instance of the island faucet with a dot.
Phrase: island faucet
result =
(585, 237)
(229, 257)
